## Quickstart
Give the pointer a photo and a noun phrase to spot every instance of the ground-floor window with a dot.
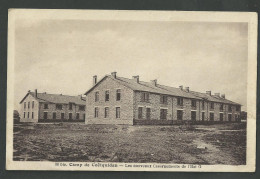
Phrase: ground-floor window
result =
(221, 116)
(54, 115)
(70, 116)
(193, 115)
(106, 112)
(32, 115)
(96, 112)
(179, 115)
(203, 116)
(77, 116)
(117, 112)
(140, 113)
(163, 113)
(62, 115)
(148, 113)
(24, 114)
(45, 115)
(211, 116)
(84, 116)
(28, 115)
(229, 117)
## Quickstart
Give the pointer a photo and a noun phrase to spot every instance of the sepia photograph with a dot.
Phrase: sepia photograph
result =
(131, 90)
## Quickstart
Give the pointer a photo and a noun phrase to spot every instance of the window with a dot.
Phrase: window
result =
(221, 107)
(179, 114)
(140, 113)
(163, 113)
(193, 115)
(180, 101)
(33, 104)
(54, 115)
(193, 103)
(107, 95)
(229, 117)
(24, 105)
(221, 116)
(118, 94)
(82, 108)
(163, 99)
(237, 108)
(203, 116)
(148, 113)
(24, 115)
(77, 116)
(117, 112)
(96, 112)
(28, 115)
(45, 115)
(46, 106)
(70, 106)
(211, 116)
(211, 105)
(70, 116)
(144, 97)
(106, 112)
(96, 96)
(59, 106)
(62, 115)
(203, 105)
(28, 105)
(229, 108)
(32, 115)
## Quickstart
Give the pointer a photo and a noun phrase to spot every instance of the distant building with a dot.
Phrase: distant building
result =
(118, 100)
(16, 116)
(43, 107)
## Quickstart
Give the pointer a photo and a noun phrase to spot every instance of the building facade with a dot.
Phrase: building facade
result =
(118, 100)
(44, 107)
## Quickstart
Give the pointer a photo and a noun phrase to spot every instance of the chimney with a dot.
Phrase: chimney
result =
(223, 96)
(94, 80)
(208, 92)
(154, 82)
(187, 89)
(29, 91)
(113, 74)
(217, 94)
(136, 78)
(181, 87)
(61, 94)
(36, 94)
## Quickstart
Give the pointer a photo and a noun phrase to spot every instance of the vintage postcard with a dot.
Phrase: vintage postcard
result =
(112, 90)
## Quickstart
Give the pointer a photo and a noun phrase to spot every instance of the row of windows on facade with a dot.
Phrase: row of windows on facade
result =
(29, 105)
(164, 100)
(118, 95)
(60, 107)
(106, 112)
(163, 114)
(45, 115)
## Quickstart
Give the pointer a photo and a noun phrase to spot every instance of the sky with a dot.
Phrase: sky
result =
(62, 56)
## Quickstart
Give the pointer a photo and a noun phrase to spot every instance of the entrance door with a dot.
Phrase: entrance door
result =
(221, 116)
(148, 113)
(62, 116)
(193, 115)
(45, 115)
(70, 116)
(203, 116)
(179, 115)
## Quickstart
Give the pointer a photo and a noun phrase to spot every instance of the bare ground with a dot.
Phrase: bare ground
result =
(213, 144)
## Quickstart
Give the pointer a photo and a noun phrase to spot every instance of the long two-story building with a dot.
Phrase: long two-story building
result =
(44, 107)
(118, 100)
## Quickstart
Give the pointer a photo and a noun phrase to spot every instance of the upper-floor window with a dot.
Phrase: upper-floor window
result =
(118, 94)
(96, 96)
(107, 95)
(193, 103)
(59, 106)
(229, 108)
(237, 108)
(145, 97)
(33, 104)
(221, 107)
(180, 101)
(82, 108)
(24, 105)
(117, 112)
(28, 105)
(70, 106)
(46, 106)
(163, 99)
(211, 105)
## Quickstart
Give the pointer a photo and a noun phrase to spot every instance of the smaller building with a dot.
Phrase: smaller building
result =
(44, 107)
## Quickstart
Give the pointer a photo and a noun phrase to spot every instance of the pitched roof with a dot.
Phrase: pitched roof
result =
(57, 98)
(162, 89)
